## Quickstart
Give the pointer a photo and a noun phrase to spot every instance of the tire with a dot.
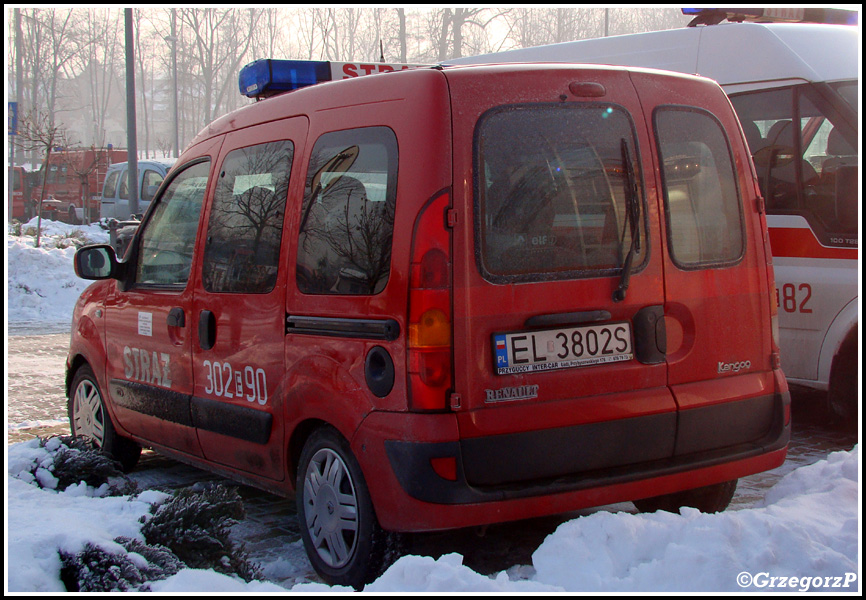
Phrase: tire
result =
(338, 524)
(842, 392)
(89, 418)
(709, 499)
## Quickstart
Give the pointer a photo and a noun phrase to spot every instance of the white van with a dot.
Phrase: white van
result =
(794, 87)
(115, 192)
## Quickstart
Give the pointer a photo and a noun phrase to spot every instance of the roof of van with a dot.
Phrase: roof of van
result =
(369, 89)
(730, 53)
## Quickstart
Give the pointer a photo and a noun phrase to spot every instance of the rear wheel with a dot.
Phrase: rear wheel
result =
(842, 393)
(89, 418)
(709, 499)
(341, 534)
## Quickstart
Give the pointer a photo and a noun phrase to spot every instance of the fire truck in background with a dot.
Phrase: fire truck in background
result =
(20, 193)
(792, 75)
(73, 182)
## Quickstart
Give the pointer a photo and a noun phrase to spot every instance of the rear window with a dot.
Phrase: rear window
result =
(702, 203)
(553, 192)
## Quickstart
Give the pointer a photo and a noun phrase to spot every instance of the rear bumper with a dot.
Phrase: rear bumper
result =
(592, 465)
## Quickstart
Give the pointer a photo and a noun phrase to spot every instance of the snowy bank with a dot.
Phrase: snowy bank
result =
(804, 536)
(41, 285)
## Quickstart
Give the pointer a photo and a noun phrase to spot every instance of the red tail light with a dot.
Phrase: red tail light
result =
(430, 368)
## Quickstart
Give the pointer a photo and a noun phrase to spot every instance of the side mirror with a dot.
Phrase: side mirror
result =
(96, 262)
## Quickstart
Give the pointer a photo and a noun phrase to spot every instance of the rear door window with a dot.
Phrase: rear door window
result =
(559, 192)
(702, 202)
(347, 220)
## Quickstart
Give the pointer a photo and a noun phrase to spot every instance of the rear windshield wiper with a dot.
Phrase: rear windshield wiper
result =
(632, 208)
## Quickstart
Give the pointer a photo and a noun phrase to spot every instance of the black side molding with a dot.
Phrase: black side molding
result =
(371, 329)
(240, 422)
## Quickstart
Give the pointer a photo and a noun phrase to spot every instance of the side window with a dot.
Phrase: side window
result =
(124, 185)
(559, 192)
(109, 190)
(168, 238)
(347, 220)
(702, 203)
(808, 163)
(246, 219)
(149, 183)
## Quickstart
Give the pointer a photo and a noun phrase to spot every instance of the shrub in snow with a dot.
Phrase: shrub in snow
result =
(190, 529)
(196, 526)
(96, 570)
(67, 461)
(79, 459)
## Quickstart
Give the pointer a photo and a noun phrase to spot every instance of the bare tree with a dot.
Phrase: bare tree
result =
(40, 134)
(220, 40)
(96, 63)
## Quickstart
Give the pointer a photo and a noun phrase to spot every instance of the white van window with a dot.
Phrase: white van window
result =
(347, 221)
(168, 237)
(246, 219)
(807, 164)
(702, 202)
(149, 182)
(554, 198)
(124, 185)
(109, 190)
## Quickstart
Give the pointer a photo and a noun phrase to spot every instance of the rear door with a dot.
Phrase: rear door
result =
(552, 209)
(239, 308)
(716, 288)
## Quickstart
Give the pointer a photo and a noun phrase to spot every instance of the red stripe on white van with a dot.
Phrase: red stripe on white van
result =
(801, 243)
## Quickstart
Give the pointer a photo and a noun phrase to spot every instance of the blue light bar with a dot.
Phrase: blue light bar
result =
(268, 76)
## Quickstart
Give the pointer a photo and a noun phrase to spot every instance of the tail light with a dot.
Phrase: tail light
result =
(430, 357)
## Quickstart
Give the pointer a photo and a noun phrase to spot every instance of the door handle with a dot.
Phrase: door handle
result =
(176, 317)
(206, 330)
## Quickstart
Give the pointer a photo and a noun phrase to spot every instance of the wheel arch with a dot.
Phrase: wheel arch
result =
(841, 337)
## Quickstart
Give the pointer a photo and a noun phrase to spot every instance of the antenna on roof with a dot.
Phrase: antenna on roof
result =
(381, 51)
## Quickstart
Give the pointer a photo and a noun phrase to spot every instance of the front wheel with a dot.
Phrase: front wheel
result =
(341, 534)
(89, 418)
(709, 499)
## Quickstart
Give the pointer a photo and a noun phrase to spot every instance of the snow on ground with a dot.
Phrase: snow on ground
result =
(804, 536)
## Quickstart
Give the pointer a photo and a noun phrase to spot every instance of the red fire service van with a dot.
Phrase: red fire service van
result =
(446, 297)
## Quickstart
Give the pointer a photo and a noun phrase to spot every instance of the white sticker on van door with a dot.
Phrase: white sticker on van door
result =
(145, 324)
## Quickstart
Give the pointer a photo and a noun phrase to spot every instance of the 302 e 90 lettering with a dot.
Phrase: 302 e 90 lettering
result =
(224, 381)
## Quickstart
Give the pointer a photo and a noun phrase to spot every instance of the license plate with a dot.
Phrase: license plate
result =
(549, 349)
